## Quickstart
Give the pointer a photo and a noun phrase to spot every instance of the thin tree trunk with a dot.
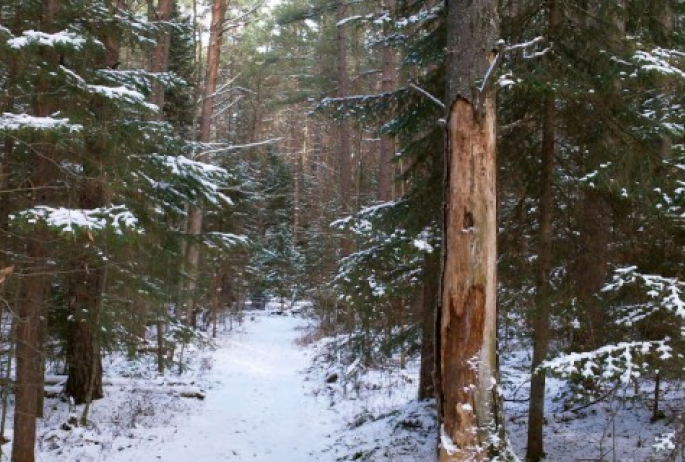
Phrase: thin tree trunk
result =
(470, 404)
(428, 298)
(387, 148)
(195, 216)
(7, 377)
(343, 129)
(542, 312)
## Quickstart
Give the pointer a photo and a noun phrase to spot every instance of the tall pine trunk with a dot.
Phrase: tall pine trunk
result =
(195, 215)
(470, 403)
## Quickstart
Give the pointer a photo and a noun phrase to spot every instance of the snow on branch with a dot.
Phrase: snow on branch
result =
(659, 60)
(663, 292)
(608, 362)
(15, 122)
(206, 179)
(529, 44)
(119, 93)
(227, 240)
(63, 38)
(116, 218)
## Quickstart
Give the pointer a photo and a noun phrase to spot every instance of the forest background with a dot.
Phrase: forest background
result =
(163, 163)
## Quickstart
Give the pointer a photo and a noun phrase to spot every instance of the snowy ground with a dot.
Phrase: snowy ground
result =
(267, 398)
(259, 407)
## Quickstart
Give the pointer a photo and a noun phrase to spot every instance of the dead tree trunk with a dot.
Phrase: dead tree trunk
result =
(195, 216)
(469, 400)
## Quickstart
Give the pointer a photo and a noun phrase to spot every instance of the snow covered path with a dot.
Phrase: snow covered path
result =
(259, 408)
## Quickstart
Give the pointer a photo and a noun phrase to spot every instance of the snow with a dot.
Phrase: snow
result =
(66, 220)
(269, 395)
(13, 122)
(31, 37)
(259, 407)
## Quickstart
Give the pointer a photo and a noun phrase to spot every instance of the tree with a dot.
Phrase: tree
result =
(472, 426)
(542, 311)
(195, 216)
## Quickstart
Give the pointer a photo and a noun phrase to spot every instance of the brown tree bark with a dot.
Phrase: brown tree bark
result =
(160, 53)
(469, 400)
(35, 284)
(542, 312)
(84, 381)
(428, 298)
(195, 216)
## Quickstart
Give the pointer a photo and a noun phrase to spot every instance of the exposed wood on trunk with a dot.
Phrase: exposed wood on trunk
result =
(195, 215)
(472, 428)
(542, 310)
(470, 410)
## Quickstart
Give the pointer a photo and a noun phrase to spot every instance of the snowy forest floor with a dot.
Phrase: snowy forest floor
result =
(269, 398)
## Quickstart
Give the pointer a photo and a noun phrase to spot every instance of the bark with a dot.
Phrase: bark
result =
(159, 61)
(387, 149)
(35, 284)
(542, 311)
(428, 299)
(34, 293)
(343, 129)
(195, 215)
(469, 402)
(84, 363)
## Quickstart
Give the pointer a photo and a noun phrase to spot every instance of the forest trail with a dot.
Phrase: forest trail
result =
(259, 408)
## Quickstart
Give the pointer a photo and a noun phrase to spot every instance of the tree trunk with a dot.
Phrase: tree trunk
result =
(35, 284)
(428, 297)
(542, 311)
(160, 53)
(343, 131)
(34, 293)
(195, 216)
(83, 353)
(470, 403)
(387, 150)
(84, 364)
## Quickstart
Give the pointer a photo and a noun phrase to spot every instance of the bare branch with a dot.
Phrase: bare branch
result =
(427, 95)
